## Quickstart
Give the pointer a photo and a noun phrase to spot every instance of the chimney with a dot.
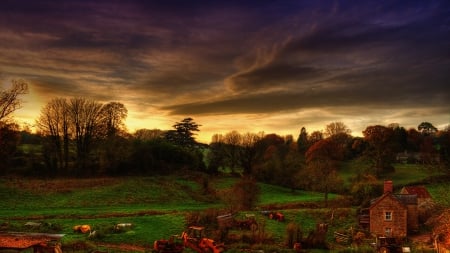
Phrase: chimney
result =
(388, 186)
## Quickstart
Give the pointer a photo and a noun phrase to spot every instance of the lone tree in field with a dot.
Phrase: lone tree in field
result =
(321, 167)
(246, 192)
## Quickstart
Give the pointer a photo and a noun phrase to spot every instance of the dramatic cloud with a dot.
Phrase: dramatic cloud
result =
(235, 65)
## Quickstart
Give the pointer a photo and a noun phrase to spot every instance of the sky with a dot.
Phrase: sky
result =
(250, 66)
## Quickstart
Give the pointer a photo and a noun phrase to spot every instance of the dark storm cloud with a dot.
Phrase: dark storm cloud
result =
(369, 62)
(367, 97)
(66, 87)
(233, 57)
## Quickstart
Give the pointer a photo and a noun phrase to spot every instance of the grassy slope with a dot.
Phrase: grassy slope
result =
(104, 202)
(107, 201)
(404, 173)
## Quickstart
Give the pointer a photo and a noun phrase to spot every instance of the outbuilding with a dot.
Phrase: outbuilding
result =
(30, 242)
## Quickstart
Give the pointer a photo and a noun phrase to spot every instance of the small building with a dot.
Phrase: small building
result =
(30, 242)
(393, 215)
(425, 203)
(423, 196)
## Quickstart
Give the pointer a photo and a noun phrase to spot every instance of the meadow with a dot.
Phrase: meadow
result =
(157, 206)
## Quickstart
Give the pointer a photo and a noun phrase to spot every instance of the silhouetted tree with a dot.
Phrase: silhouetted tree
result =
(9, 140)
(336, 128)
(85, 119)
(9, 132)
(426, 128)
(183, 135)
(315, 137)
(9, 99)
(399, 138)
(85, 124)
(148, 134)
(279, 163)
(53, 123)
(250, 151)
(414, 139)
(113, 116)
(231, 149)
(302, 141)
(115, 146)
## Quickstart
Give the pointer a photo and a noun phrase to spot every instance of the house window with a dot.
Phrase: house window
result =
(388, 231)
(388, 216)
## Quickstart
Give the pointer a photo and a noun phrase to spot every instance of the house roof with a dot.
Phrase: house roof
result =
(407, 199)
(420, 191)
(375, 202)
(403, 199)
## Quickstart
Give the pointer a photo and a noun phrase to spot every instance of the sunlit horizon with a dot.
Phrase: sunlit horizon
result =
(268, 66)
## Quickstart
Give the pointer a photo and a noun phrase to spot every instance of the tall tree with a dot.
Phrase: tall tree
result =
(53, 122)
(321, 166)
(85, 117)
(426, 128)
(249, 151)
(114, 115)
(315, 137)
(183, 135)
(9, 134)
(231, 148)
(380, 149)
(9, 140)
(302, 141)
(336, 128)
(400, 137)
(114, 144)
(340, 134)
(9, 99)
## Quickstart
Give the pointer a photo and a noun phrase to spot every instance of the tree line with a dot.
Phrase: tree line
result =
(82, 137)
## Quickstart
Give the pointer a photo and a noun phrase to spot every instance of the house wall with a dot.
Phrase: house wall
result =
(413, 218)
(424, 206)
(398, 224)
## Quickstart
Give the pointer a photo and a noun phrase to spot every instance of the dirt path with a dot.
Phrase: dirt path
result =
(80, 216)
(123, 247)
(422, 238)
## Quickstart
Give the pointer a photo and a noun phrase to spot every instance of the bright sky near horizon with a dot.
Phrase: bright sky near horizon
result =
(250, 66)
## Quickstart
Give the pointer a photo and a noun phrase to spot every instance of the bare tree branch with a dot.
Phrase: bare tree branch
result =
(9, 99)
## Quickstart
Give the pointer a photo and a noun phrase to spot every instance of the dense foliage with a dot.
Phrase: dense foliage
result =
(85, 138)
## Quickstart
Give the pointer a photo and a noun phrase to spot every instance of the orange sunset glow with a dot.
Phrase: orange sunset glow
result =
(249, 66)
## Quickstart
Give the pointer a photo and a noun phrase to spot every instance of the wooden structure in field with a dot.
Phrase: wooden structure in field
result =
(393, 215)
(30, 242)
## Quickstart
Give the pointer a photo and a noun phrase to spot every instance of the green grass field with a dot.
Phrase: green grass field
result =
(157, 206)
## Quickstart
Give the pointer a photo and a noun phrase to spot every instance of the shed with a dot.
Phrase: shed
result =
(33, 242)
(425, 203)
(423, 196)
